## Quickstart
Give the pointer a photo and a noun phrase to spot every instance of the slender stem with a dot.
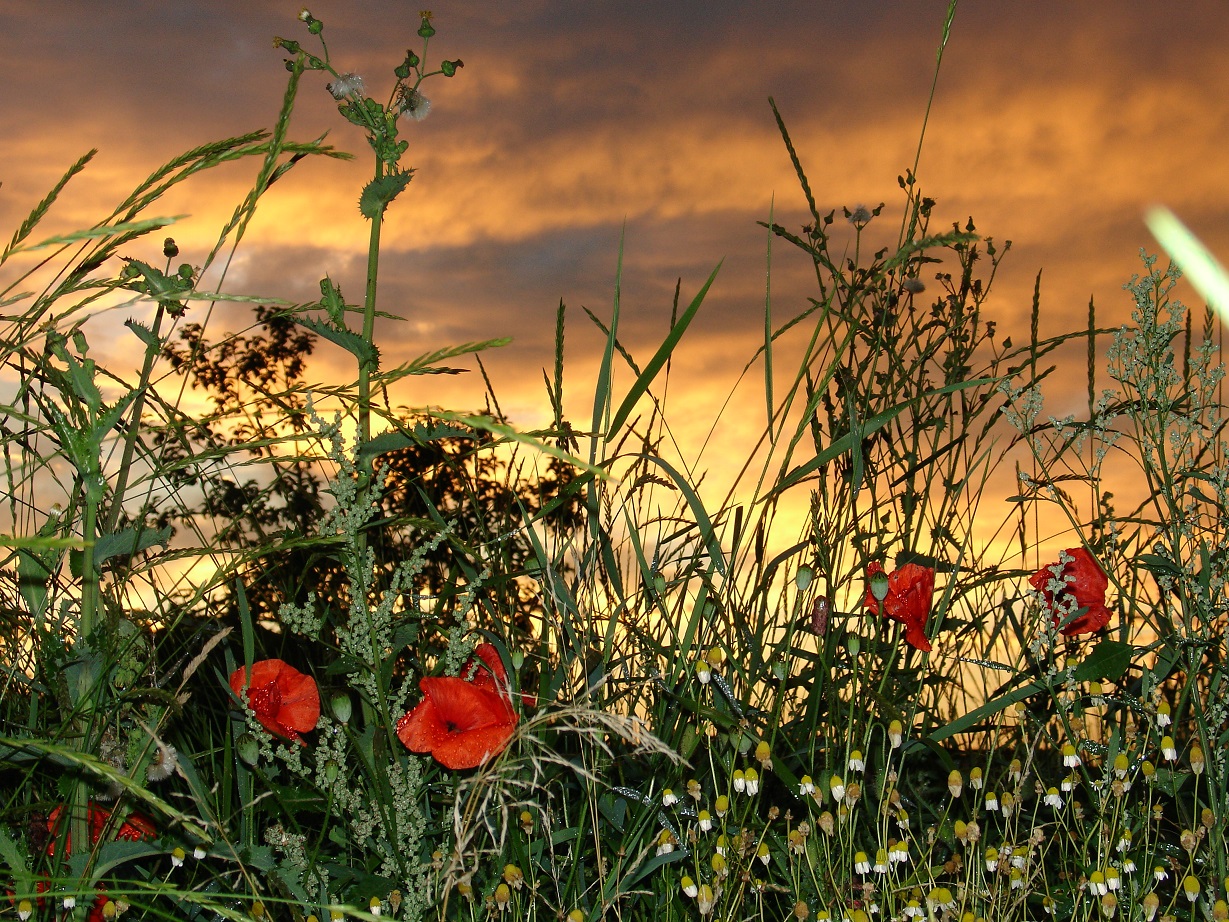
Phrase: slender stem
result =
(369, 324)
(134, 428)
(89, 577)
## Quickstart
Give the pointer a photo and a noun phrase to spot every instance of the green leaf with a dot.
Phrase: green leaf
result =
(15, 857)
(365, 352)
(130, 541)
(144, 334)
(333, 302)
(1108, 660)
(379, 193)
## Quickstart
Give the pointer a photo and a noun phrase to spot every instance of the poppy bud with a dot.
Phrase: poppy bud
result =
(802, 579)
(169, 250)
(249, 749)
(343, 707)
(426, 30)
(879, 585)
(449, 68)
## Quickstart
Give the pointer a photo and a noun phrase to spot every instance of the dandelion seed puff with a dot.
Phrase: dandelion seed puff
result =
(415, 105)
(345, 85)
(164, 763)
(860, 216)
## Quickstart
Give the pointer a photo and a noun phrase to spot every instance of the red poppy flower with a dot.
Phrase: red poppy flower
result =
(135, 828)
(1084, 580)
(463, 722)
(286, 701)
(910, 590)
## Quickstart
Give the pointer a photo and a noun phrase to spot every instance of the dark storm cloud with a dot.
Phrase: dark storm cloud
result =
(573, 124)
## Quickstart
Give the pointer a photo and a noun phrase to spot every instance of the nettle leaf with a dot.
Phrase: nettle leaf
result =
(127, 542)
(379, 193)
(353, 343)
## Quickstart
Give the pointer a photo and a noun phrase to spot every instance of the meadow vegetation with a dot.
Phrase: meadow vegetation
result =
(297, 654)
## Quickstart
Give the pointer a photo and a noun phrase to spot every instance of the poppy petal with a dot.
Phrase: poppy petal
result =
(472, 748)
(460, 723)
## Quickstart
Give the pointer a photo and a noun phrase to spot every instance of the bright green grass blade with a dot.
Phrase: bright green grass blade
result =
(768, 395)
(604, 387)
(107, 230)
(1205, 272)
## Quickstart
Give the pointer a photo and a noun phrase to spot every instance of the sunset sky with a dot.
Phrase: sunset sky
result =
(1054, 125)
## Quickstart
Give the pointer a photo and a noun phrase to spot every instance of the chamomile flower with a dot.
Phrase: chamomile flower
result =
(706, 899)
(763, 755)
(1168, 751)
(665, 842)
(837, 787)
(1071, 759)
(895, 734)
(1190, 887)
(955, 783)
(1163, 716)
(752, 780)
